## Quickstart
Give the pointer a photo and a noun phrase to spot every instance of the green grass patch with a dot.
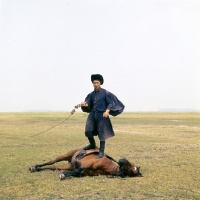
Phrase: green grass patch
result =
(165, 145)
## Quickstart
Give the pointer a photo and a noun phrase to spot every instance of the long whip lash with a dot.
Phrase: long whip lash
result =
(72, 112)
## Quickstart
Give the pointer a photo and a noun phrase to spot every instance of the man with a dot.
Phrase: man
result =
(100, 103)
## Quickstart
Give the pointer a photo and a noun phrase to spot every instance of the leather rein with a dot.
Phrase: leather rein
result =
(71, 113)
(114, 172)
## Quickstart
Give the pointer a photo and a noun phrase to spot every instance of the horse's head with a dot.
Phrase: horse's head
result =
(128, 169)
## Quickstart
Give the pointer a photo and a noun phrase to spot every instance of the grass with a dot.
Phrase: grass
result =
(165, 145)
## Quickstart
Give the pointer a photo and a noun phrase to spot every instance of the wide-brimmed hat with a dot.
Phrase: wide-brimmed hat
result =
(98, 77)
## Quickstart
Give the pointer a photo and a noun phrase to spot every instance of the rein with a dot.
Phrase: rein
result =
(119, 166)
(71, 113)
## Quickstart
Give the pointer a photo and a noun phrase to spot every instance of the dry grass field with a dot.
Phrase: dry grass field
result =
(165, 145)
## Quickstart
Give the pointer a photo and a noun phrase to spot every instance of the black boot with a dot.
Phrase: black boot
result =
(92, 144)
(101, 149)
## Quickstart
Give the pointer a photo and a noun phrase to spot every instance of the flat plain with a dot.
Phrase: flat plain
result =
(165, 145)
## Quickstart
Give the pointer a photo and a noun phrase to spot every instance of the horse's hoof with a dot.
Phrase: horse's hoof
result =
(32, 169)
(62, 176)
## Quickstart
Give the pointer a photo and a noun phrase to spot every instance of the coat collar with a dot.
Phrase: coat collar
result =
(97, 90)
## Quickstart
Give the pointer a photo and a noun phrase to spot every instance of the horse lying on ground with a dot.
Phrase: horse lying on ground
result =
(85, 163)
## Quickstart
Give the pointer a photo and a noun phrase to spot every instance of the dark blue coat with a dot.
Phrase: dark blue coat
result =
(101, 100)
(98, 102)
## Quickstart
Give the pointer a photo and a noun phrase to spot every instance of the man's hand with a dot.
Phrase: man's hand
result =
(84, 104)
(106, 114)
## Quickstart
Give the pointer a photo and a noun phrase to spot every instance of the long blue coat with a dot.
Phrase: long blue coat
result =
(98, 102)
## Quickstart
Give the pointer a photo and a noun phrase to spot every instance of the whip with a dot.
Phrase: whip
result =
(71, 113)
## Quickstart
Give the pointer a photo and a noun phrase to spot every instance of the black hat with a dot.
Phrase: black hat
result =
(97, 77)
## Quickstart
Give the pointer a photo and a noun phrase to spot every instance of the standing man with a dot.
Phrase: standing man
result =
(100, 103)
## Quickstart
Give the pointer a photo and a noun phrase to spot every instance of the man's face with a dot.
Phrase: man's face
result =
(96, 84)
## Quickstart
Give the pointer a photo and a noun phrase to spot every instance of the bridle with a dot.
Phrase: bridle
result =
(120, 165)
(114, 172)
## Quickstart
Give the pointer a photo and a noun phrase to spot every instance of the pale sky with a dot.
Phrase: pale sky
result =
(147, 50)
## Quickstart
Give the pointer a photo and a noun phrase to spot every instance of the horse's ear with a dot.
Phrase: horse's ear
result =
(139, 173)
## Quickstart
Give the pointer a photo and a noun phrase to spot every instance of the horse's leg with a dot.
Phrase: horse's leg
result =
(77, 169)
(68, 166)
(65, 157)
(76, 172)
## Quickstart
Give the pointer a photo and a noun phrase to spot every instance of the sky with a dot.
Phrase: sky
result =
(148, 52)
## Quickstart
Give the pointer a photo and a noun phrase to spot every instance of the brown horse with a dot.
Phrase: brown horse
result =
(85, 163)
